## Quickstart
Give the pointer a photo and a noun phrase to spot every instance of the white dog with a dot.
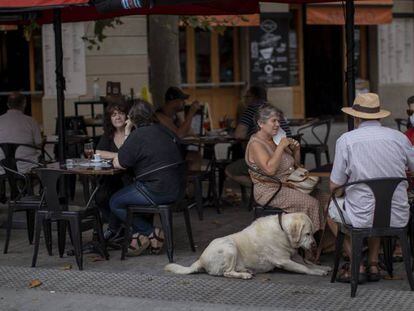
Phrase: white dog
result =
(267, 243)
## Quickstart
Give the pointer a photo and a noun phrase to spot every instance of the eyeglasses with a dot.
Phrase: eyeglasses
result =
(410, 112)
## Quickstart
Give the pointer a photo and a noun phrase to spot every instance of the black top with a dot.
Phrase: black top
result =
(106, 144)
(148, 148)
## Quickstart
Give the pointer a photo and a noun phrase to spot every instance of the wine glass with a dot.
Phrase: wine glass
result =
(88, 150)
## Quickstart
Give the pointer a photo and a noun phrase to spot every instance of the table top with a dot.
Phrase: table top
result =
(208, 140)
(301, 122)
(81, 167)
(322, 171)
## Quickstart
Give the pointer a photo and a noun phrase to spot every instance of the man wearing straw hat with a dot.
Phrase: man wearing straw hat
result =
(370, 151)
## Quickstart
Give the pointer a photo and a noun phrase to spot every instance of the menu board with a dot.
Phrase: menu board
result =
(269, 50)
(74, 69)
(396, 51)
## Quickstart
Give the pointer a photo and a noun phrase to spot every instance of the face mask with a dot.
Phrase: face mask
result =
(278, 137)
(412, 119)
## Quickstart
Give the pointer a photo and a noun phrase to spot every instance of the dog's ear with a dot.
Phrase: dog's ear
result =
(296, 229)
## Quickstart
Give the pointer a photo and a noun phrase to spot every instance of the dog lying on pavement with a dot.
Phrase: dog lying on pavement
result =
(269, 242)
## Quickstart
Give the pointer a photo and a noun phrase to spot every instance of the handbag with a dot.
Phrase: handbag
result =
(301, 180)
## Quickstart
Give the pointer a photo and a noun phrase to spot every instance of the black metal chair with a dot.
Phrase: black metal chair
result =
(322, 142)
(22, 198)
(402, 124)
(264, 210)
(383, 191)
(164, 210)
(56, 208)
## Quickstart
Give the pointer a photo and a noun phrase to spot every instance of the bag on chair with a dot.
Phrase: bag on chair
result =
(301, 180)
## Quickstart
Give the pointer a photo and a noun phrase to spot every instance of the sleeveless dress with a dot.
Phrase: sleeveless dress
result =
(288, 199)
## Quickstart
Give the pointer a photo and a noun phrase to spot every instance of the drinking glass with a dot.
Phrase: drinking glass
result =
(88, 150)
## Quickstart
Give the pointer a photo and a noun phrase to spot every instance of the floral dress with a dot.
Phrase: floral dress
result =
(288, 199)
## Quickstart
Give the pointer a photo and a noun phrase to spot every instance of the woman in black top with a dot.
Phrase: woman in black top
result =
(112, 139)
(148, 147)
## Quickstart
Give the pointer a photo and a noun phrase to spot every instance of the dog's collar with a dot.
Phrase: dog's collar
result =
(280, 221)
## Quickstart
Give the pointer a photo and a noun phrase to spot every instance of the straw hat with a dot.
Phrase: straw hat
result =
(366, 106)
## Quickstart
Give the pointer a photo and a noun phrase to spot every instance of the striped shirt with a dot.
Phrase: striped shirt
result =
(372, 151)
(248, 116)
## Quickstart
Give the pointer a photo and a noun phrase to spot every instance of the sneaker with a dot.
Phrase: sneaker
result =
(109, 234)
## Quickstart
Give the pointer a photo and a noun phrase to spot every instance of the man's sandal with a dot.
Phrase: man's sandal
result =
(139, 243)
(345, 275)
(156, 240)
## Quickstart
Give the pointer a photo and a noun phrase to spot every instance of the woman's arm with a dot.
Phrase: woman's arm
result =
(268, 164)
(116, 164)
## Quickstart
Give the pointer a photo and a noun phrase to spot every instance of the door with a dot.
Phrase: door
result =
(210, 69)
(323, 70)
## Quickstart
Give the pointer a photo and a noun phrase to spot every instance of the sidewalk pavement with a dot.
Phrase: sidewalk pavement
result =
(141, 284)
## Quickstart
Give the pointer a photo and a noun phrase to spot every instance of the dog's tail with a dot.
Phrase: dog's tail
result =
(178, 269)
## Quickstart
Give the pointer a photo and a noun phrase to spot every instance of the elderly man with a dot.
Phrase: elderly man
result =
(18, 128)
(369, 151)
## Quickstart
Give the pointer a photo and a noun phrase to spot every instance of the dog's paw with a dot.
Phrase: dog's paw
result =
(325, 268)
(247, 276)
(318, 272)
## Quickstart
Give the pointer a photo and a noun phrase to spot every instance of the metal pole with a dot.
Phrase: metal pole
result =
(350, 60)
(60, 84)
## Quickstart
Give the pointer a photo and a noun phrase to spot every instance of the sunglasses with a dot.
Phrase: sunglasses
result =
(410, 112)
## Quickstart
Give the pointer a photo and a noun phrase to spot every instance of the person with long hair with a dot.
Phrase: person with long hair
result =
(115, 127)
(150, 146)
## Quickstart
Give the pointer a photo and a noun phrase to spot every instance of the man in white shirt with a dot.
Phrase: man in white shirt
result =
(370, 151)
(18, 128)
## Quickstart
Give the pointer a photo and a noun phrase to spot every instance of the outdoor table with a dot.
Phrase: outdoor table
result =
(96, 171)
(322, 171)
(213, 165)
(301, 122)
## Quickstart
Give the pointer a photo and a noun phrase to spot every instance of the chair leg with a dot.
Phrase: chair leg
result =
(128, 233)
(318, 159)
(77, 239)
(30, 219)
(198, 192)
(61, 224)
(338, 251)
(328, 158)
(99, 231)
(222, 178)
(405, 247)
(166, 221)
(388, 250)
(188, 227)
(9, 227)
(39, 220)
(355, 262)
(47, 229)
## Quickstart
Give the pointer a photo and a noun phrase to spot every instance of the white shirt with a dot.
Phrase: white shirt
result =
(372, 151)
(16, 127)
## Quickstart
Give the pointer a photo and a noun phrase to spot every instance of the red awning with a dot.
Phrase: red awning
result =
(81, 10)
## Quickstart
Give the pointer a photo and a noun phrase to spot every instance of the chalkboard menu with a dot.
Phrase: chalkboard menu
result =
(269, 50)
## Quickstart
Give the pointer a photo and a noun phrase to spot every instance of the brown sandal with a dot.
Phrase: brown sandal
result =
(139, 243)
(156, 240)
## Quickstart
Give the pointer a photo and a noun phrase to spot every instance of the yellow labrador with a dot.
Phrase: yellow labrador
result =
(264, 245)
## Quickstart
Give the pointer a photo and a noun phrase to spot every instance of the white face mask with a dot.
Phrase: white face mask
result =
(278, 137)
(412, 119)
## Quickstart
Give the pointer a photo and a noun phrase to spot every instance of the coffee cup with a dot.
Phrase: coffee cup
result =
(97, 157)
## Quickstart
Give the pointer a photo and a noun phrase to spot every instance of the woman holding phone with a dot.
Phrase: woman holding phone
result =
(116, 129)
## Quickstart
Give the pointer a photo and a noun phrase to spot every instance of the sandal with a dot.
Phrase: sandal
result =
(345, 275)
(156, 240)
(139, 243)
(373, 276)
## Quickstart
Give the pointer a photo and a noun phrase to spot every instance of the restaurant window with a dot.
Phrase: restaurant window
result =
(293, 49)
(182, 37)
(203, 55)
(226, 48)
